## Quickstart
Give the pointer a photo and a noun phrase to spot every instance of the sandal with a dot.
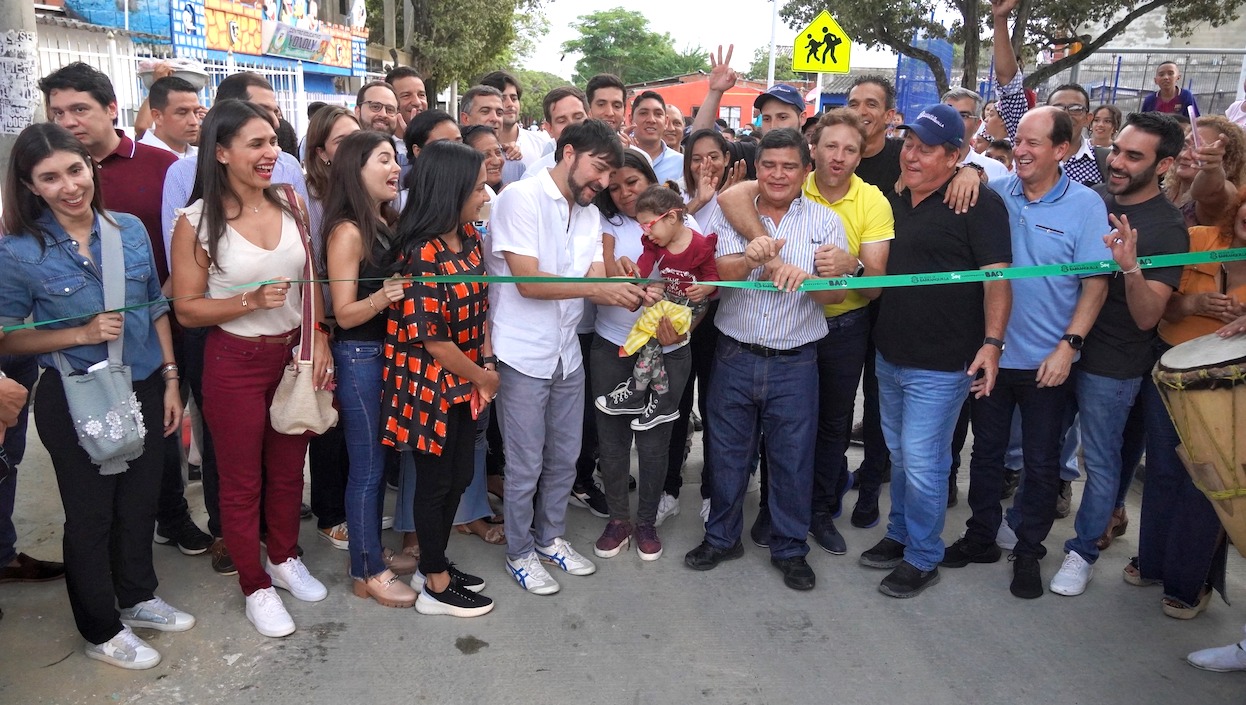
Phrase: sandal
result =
(487, 531)
(1133, 575)
(1179, 610)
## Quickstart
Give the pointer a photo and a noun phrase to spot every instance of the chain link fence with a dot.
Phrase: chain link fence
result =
(1126, 76)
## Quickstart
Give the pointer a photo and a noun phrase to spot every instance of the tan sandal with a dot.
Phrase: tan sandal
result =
(1133, 575)
(386, 589)
(488, 532)
(1179, 610)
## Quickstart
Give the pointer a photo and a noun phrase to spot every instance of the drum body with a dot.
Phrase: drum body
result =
(1203, 384)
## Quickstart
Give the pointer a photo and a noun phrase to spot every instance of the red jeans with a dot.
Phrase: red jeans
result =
(239, 379)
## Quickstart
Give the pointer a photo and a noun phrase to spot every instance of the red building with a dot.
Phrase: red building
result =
(687, 92)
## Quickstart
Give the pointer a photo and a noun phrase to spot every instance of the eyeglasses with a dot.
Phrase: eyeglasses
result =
(374, 106)
(966, 115)
(646, 227)
(1073, 109)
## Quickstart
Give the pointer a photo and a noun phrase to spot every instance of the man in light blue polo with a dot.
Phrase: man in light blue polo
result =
(1053, 220)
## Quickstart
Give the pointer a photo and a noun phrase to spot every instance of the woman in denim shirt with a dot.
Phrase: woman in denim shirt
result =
(51, 264)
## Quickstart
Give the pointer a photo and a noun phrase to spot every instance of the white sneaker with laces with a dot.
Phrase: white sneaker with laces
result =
(705, 510)
(125, 650)
(1005, 538)
(293, 577)
(668, 507)
(1221, 659)
(266, 612)
(157, 614)
(564, 556)
(1073, 576)
(531, 575)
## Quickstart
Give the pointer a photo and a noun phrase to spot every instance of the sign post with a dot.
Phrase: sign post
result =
(822, 47)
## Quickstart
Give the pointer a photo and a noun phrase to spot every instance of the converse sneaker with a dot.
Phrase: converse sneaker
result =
(188, 538)
(614, 540)
(267, 614)
(531, 575)
(1221, 659)
(561, 554)
(648, 545)
(293, 577)
(125, 650)
(660, 409)
(1073, 576)
(625, 399)
(458, 577)
(336, 535)
(590, 497)
(455, 600)
(668, 507)
(157, 614)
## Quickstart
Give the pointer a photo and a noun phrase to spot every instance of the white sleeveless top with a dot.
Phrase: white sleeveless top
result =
(240, 262)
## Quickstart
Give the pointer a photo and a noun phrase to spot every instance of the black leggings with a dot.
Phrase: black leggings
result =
(439, 482)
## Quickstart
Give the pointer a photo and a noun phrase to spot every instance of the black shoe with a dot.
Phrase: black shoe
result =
(953, 494)
(194, 473)
(1012, 478)
(222, 563)
(31, 570)
(907, 581)
(856, 436)
(696, 424)
(659, 409)
(466, 581)
(1027, 581)
(707, 557)
(631, 484)
(305, 511)
(865, 514)
(797, 573)
(964, 552)
(760, 533)
(590, 497)
(185, 535)
(1064, 502)
(822, 529)
(455, 601)
(886, 554)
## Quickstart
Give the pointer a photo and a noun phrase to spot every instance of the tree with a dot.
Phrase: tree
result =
(535, 85)
(620, 42)
(760, 68)
(899, 24)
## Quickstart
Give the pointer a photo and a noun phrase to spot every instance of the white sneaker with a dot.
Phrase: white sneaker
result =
(531, 575)
(265, 611)
(668, 507)
(387, 523)
(705, 510)
(1221, 659)
(754, 482)
(293, 577)
(1073, 576)
(1005, 538)
(564, 556)
(125, 650)
(157, 614)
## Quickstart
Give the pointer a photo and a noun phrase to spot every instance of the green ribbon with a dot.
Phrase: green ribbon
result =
(887, 281)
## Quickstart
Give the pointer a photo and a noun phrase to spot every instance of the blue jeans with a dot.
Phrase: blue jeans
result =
(752, 395)
(1103, 405)
(359, 366)
(23, 369)
(474, 504)
(919, 409)
(841, 355)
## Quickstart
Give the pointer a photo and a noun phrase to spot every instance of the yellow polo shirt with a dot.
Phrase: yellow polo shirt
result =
(867, 218)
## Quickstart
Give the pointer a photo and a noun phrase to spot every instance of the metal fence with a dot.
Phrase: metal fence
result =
(1125, 76)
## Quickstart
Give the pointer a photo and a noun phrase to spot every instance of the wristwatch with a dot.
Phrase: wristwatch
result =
(1075, 341)
(860, 270)
(994, 341)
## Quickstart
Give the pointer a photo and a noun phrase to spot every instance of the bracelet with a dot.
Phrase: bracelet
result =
(1137, 267)
(244, 300)
(373, 304)
(323, 328)
(168, 367)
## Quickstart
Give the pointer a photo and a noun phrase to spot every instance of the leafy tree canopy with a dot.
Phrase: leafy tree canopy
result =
(620, 41)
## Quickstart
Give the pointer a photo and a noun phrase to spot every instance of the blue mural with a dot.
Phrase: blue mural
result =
(146, 16)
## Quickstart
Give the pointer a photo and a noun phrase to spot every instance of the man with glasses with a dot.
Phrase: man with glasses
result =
(376, 106)
(969, 105)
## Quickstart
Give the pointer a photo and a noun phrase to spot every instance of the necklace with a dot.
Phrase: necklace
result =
(254, 209)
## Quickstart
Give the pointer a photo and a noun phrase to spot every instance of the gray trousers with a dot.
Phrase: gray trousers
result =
(541, 422)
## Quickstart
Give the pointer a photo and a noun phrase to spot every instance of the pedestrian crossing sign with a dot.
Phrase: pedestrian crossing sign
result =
(822, 47)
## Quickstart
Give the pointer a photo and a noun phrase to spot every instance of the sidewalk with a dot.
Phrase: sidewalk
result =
(635, 632)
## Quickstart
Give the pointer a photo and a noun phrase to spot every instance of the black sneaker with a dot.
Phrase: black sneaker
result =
(707, 557)
(856, 436)
(466, 581)
(822, 529)
(1027, 581)
(797, 573)
(1012, 478)
(221, 561)
(953, 494)
(625, 399)
(760, 533)
(1064, 503)
(590, 497)
(659, 409)
(185, 535)
(305, 511)
(907, 581)
(696, 424)
(865, 513)
(455, 601)
(886, 554)
(194, 473)
(964, 552)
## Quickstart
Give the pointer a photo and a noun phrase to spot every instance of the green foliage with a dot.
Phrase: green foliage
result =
(760, 67)
(620, 41)
(535, 85)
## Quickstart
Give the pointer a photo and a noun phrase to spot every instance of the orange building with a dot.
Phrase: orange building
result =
(687, 92)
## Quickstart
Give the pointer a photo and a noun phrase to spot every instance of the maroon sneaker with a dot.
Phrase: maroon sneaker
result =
(614, 539)
(648, 545)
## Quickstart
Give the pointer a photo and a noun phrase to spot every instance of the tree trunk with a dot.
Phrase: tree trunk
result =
(408, 23)
(973, 46)
(389, 22)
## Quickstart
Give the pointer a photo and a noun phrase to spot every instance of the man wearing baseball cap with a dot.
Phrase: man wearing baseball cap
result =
(935, 343)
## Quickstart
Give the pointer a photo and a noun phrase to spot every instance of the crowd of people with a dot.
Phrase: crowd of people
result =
(619, 221)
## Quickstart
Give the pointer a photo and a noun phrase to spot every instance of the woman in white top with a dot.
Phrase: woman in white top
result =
(238, 231)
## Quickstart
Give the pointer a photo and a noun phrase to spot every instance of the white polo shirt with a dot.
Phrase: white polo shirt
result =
(149, 138)
(532, 218)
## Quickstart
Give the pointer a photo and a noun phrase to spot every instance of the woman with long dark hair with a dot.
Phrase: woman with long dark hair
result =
(53, 259)
(358, 240)
(707, 171)
(328, 127)
(440, 372)
(236, 249)
(484, 139)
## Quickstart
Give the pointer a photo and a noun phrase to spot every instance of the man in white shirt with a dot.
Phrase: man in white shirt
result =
(564, 106)
(969, 105)
(530, 145)
(546, 226)
(175, 109)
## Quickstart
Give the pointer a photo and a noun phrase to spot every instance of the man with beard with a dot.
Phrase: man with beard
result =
(546, 226)
(526, 146)
(376, 106)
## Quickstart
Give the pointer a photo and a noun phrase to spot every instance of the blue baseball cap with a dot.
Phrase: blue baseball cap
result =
(938, 124)
(782, 92)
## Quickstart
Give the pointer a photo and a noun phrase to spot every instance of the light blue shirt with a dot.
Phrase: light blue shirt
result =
(669, 166)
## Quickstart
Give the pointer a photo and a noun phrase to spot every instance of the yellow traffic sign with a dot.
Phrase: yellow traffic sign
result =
(822, 47)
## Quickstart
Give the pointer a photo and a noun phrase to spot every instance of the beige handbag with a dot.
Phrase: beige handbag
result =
(298, 407)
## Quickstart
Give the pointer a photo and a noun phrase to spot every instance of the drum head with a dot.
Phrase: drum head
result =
(1208, 351)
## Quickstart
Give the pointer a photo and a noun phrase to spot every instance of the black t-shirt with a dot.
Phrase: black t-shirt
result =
(370, 276)
(1116, 347)
(882, 169)
(939, 327)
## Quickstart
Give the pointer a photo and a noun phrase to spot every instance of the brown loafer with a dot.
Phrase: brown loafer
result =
(31, 570)
(386, 589)
(401, 563)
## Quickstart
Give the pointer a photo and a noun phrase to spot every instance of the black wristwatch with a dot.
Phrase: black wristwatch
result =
(860, 271)
(994, 341)
(1075, 341)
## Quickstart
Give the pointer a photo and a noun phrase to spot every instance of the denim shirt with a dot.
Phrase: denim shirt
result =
(54, 281)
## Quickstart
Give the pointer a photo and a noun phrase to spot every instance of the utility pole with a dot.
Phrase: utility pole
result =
(774, 24)
(19, 74)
